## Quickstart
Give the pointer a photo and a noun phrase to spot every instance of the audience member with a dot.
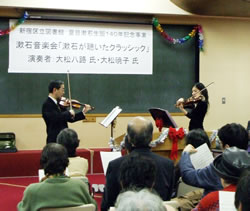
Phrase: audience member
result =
(196, 138)
(140, 132)
(242, 194)
(228, 166)
(137, 172)
(140, 201)
(57, 190)
(78, 166)
(229, 135)
(248, 130)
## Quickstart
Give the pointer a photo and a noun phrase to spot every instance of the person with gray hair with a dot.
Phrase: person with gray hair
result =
(139, 134)
(142, 200)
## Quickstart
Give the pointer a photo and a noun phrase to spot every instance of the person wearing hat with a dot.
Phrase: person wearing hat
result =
(230, 135)
(229, 166)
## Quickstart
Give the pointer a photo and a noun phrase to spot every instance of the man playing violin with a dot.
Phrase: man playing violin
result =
(198, 104)
(57, 116)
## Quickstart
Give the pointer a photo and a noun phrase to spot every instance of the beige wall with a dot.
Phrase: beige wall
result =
(224, 61)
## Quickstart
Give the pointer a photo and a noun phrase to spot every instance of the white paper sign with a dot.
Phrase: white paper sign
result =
(226, 201)
(107, 157)
(96, 48)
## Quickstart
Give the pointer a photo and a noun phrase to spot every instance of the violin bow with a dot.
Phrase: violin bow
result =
(206, 87)
(70, 102)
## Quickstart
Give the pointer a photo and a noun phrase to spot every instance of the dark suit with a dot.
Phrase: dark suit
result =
(163, 182)
(56, 118)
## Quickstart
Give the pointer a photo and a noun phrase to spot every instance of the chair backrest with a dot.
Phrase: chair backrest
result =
(184, 188)
(85, 207)
(171, 205)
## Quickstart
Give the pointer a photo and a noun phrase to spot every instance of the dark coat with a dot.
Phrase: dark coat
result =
(163, 183)
(56, 119)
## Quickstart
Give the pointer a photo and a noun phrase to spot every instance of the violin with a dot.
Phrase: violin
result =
(64, 102)
(189, 101)
(192, 100)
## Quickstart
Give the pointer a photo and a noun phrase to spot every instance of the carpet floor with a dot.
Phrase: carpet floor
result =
(12, 188)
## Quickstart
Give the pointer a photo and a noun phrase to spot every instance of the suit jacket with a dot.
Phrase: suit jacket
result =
(56, 118)
(163, 183)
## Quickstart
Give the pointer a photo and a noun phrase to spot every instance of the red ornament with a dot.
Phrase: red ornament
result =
(159, 123)
(175, 136)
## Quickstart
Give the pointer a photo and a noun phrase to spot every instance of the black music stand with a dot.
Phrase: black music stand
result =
(164, 115)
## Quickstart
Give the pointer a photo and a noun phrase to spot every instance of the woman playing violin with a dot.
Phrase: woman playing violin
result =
(198, 104)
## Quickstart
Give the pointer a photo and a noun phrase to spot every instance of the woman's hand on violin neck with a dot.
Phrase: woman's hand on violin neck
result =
(180, 102)
(86, 108)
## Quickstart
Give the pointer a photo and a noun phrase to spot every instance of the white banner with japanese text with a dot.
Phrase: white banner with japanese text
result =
(80, 47)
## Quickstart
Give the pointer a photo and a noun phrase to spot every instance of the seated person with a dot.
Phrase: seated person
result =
(196, 138)
(242, 194)
(140, 201)
(137, 172)
(139, 134)
(137, 177)
(206, 178)
(248, 130)
(78, 166)
(229, 166)
(56, 189)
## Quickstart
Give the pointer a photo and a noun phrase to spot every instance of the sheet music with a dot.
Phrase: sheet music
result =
(107, 157)
(226, 201)
(202, 158)
(111, 116)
